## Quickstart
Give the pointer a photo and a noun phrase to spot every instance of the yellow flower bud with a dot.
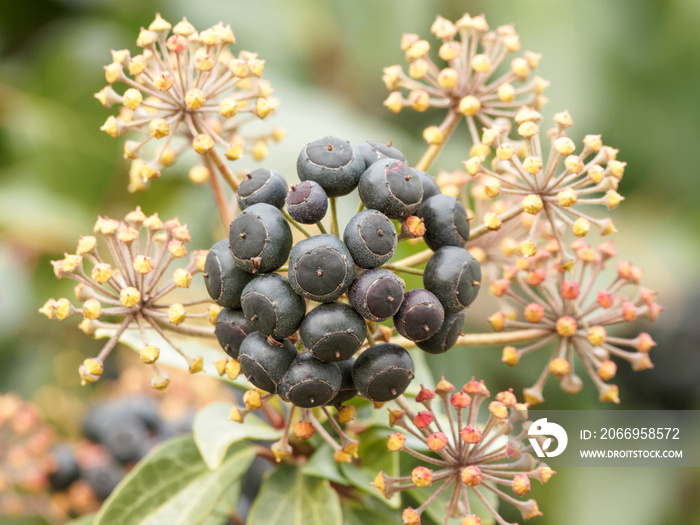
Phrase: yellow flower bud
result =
(506, 93)
(492, 221)
(532, 165)
(233, 369)
(433, 135)
(137, 65)
(396, 441)
(418, 69)
(143, 264)
(594, 142)
(417, 50)
(469, 106)
(449, 51)
(419, 100)
(129, 296)
(574, 164)
(481, 63)
(528, 129)
(92, 309)
(256, 67)
(448, 77)
(532, 204)
(252, 399)
(581, 227)
(176, 314)
(597, 335)
(510, 355)
(528, 248)
(567, 197)
(613, 199)
(263, 108)
(492, 187)
(149, 354)
(111, 127)
(564, 146)
(112, 72)
(520, 68)
(559, 367)
(202, 143)
(159, 128)
(260, 150)
(195, 98)
(182, 278)
(394, 102)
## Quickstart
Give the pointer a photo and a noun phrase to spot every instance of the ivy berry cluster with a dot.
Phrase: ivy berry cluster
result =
(337, 288)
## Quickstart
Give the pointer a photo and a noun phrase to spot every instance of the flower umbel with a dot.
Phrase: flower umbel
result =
(577, 314)
(467, 457)
(130, 287)
(551, 188)
(187, 84)
(471, 84)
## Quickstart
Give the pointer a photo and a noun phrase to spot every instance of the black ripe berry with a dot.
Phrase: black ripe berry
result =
(262, 185)
(309, 382)
(383, 372)
(376, 294)
(446, 337)
(126, 437)
(64, 468)
(454, 276)
(347, 388)
(264, 364)
(420, 316)
(430, 186)
(371, 238)
(373, 151)
(103, 478)
(272, 307)
(321, 268)
(260, 239)
(391, 187)
(333, 332)
(445, 221)
(223, 278)
(307, 203)
(231, 329)
(335, 164)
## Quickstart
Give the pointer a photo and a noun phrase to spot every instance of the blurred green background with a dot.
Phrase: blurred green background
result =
(628, 70)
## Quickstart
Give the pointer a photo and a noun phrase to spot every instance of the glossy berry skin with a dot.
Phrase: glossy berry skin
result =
(445, 222)
(321, 268)
(383, 372)
(333, 332)
(231, 329)
(271, 306)
(371, 238)
(307, 203)
(264, 364)
(372, 151)
(335, 164)
(262, 185)
(223, 278)
(454, 276)
(260, 239)
(64, 469)
(376, 294)
(430, 186)
(309, 382)
(347, 388)
(420, 316)
(446, 337)
(392, 188)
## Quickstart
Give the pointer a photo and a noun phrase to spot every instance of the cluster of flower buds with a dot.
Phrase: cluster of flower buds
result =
(465, 456)
(465, 80)
(548, 188)
(24, 459)
(187, 84)
(574, 313)
(130, 288)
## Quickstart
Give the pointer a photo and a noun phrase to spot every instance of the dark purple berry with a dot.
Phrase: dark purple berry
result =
(376, 294)
(454, 276)
(307, 203)
(223, 278)
(420, 316)
(231, 329)
(335, 164)
(309, 382)
(333, 332)
(391, 187)
(372, 151)
(264, 364)
(371, 238)
(446, 222)
(262, 185)
(383, 372)
(272, 307)
(446, 337)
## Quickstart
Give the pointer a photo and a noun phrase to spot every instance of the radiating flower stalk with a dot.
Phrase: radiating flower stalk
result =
(463, 456)
(470, 84)
(577, 313)
(186, 90)
(132, 288)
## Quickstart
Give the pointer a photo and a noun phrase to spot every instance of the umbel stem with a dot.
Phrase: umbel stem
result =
(498, 338)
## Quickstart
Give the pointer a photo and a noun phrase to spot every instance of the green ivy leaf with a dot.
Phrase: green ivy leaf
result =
(173, 485)
(374, 457)
(321, 464)
(87, 519)
(214, 433)
(365, 513)
(288, 497)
